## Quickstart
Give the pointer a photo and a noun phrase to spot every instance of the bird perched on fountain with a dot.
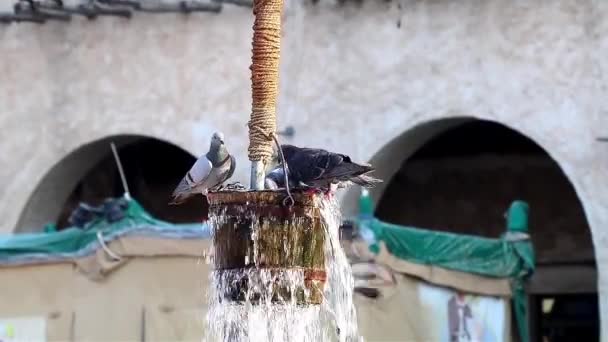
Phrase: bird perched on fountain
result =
(209, 172)
(318, 169)
(275, 179)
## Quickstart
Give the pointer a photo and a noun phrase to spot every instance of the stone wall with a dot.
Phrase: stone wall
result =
(371, 72)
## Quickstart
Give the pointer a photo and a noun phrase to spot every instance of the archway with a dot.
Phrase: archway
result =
(460, 175)
(89, 174)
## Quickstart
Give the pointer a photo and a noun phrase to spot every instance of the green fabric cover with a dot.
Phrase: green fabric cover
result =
(73, 240)
(510, 256)
(517, 217)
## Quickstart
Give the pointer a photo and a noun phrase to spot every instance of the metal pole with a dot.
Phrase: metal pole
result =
(257, 175)
(121, 172)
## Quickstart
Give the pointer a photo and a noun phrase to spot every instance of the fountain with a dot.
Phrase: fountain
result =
(280, 272)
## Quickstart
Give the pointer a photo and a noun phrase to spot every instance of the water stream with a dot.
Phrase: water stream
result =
(262, 318)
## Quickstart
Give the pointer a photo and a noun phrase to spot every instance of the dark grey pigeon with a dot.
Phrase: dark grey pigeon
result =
(275, 179)
(320, 169)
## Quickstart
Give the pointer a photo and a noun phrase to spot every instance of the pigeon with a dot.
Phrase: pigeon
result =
(318, 169)
(275, 179)
(209, 172)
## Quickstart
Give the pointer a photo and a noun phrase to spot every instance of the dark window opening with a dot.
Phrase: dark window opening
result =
(153, 169)
(571, 317)
(463, 181)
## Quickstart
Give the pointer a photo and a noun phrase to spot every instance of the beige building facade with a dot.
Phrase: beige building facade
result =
(372, 79)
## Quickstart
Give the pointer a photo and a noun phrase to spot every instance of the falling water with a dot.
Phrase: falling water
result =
(339, 290)
(269, 313)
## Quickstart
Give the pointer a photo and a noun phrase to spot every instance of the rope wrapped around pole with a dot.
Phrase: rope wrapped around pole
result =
(264, 85)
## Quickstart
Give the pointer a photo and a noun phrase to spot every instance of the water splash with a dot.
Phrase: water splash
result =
(340, 285)
(262, 319)
(269, 309)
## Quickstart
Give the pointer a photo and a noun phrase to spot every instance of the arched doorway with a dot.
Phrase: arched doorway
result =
(89, 174)
(460, 175)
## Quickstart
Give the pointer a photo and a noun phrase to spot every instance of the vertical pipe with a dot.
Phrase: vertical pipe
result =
(266, 48)
(257, 175)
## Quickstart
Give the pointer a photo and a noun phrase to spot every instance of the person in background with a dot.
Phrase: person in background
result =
(459, 315)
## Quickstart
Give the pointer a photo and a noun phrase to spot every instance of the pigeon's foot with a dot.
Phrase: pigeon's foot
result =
(233, 187)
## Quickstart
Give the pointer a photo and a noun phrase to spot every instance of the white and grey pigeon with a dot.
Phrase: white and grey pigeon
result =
(318, 169)
(209, 172)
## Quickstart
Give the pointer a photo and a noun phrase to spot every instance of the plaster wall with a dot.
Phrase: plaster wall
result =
(354, 78)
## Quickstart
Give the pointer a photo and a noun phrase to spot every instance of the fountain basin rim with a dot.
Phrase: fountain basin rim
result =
(257, 197)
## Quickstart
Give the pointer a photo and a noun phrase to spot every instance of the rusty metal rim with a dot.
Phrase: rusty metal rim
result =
(269, 210)
(226, 197)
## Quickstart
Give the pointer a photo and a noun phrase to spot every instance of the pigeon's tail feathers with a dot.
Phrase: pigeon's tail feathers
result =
(346, 171)
(181, 192)
(182, 188)
(178, 200)
(366, 181)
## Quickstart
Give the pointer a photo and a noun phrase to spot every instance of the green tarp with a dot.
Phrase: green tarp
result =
(510, 256)
(72, 242)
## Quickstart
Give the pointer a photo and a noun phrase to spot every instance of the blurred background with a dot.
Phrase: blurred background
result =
(462, 106)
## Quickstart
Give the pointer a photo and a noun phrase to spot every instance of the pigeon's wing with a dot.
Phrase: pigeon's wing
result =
(197, 174)
(199, 171)
(182, 188)
(182, 192)
(340, 167)
(311, 164)
(347, 171)
(221, 174)
(232, 168)
(334, 166)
